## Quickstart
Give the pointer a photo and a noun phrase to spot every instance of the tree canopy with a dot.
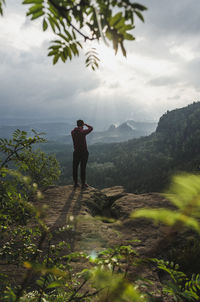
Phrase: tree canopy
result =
(74, 22)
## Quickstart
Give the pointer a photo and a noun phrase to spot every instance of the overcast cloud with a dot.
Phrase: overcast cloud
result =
(161, 72)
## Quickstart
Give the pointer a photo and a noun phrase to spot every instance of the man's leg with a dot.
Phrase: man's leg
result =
(76, 161)
(84, 160)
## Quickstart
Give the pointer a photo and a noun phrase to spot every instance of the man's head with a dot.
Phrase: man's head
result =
(80, 123)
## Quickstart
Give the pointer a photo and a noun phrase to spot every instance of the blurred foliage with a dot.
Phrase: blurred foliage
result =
(17, 247)
(20, 168)
(179, 286)
(75, 22)
(58, 281)
(43, 169)
(1, 6)
(184, 194)
(187, 244)
(16, 188)
(13, 195)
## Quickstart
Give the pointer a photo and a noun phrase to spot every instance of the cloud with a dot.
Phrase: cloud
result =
(160, 73)
(172, 17)
(163, 81)
(29, 83)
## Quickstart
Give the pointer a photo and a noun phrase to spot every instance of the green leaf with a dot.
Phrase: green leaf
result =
(74, 49)
(129, 37)
(140, 16)
(55, 284)
(123, 49)
(74, 35)
(51, 21)
(57, 41)
(52, 53)
(45, 24)
(56, 23)
(69, 53)
(185, 192)
(53, 10)
(79, 44)
(109, 35)
(64, 37)
(129, 27)
(115, 19)
(34, 9)
(55, 59)
(120, 24)
(86, 274)
(37, 15)
(32, 1)
(63, 57)
(68, 34)
(139, 6)
(1, 4)
(168, 217)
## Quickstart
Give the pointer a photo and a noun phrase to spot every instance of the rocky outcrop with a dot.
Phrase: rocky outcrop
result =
(95, 220)
(101, 219)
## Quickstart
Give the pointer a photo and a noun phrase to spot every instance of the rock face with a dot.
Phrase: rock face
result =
(97, 220)
(101, 219)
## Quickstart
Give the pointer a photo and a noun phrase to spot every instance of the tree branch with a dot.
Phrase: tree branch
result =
(62, 11)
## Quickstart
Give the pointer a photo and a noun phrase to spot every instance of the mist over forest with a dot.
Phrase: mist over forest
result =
(141, 164)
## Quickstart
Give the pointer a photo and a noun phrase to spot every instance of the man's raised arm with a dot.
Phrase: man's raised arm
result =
(86, 131)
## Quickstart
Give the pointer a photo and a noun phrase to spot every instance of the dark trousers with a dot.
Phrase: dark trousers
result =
(79, 158)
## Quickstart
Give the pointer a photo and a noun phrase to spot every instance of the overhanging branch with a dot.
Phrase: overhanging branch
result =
(63, 12)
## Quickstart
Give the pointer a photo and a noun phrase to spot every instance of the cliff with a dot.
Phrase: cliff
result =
(94, 220)
(100, 219)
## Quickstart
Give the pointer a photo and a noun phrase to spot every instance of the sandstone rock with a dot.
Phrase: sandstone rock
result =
(90, 234)
(114, 193)
(124, 206)
(79, 211)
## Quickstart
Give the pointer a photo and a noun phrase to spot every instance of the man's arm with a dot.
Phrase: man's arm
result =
(86, 131)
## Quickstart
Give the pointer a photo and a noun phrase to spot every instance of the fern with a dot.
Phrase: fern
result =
(179, 286)
(92, 59)
(193, 283)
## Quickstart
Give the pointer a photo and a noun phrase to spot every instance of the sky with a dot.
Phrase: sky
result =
(161, 71)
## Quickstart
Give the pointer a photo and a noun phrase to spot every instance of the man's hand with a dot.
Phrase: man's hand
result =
(90, 128)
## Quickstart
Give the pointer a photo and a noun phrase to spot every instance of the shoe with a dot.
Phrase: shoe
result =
(76, 186)
(85, 186)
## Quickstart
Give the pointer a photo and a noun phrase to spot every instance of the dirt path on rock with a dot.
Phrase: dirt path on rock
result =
(81, 211)
(62, 203)
(75, 209)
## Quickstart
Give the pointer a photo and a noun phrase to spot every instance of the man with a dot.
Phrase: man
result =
(80, 155)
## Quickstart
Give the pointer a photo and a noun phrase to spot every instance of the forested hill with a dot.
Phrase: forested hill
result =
(146, 164)
(179, 131)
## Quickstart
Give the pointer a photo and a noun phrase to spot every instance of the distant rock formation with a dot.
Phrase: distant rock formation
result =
(125, 131)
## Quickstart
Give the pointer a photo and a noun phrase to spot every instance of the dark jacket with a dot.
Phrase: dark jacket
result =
(79, 138)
